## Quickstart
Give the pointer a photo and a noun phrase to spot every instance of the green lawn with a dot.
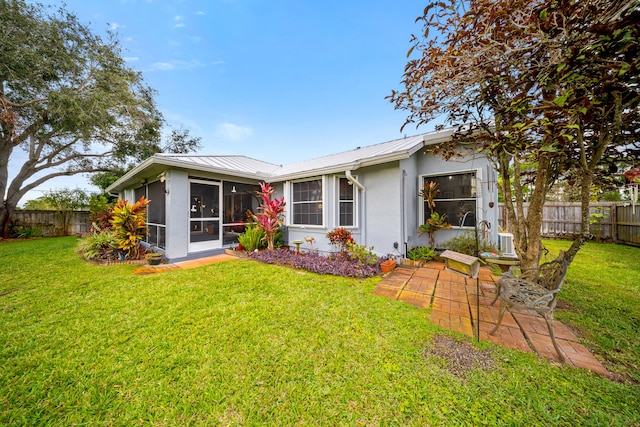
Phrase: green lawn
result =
(243, 343)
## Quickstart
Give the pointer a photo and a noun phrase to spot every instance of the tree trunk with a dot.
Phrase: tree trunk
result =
(6, 212)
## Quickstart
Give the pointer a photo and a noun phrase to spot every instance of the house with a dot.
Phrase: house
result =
(198, 203)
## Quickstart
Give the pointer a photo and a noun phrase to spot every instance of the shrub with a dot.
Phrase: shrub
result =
(465, 243)
(129, 225)
(340, 238)
(421, 253)
(361, 253)
(252, 238)
(98, 246)
(26, 232)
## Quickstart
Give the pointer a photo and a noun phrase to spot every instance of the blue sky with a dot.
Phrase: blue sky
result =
(280, 81)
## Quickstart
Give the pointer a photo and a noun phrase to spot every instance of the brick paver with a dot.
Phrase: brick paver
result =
(453, 299)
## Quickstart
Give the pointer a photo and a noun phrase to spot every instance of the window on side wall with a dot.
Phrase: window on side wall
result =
(346, 203)
(306, 199)
(457, 198)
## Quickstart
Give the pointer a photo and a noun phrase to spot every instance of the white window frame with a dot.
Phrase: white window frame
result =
(323, 201)
(478, 191)
(338, 201)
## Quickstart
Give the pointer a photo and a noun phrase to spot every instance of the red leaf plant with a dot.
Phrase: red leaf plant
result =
(269, 219)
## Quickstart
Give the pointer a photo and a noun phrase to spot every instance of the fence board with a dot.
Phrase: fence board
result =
(620, 224)
(49, 224)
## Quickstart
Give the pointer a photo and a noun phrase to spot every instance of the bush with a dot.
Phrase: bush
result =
(421, 253)
(99, 246)
(466, 244)
(129, 225)
(253, 238)
(26, 232)
(362, 254)
(340, 238)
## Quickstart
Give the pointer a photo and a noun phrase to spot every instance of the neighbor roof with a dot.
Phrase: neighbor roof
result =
(247, 167)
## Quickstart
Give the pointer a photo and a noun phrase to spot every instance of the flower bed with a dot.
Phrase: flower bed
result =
(317, 263)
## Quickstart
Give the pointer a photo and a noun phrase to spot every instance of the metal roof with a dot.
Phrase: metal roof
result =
(247, 167)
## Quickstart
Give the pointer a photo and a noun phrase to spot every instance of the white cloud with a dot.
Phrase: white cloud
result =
(232, 132)
(174, 65)
(131, 58)
(179, 25)
(199, 12)
(114, 26)
(164, 66)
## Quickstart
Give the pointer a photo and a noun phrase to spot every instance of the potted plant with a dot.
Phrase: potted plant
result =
(419, 255)
(154, 258)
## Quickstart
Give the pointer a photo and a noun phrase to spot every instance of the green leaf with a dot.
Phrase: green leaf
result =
(543, 15)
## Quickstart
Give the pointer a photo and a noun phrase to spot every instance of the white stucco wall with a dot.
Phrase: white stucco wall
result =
(177, 237)
(420, 165)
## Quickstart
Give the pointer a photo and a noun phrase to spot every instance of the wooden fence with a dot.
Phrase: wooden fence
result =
(620, 222)
(49, 224)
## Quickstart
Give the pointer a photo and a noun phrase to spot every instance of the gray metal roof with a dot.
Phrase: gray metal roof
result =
(247, 167)
(234, 164)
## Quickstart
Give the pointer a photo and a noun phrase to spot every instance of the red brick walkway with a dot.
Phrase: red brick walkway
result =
(453, 299)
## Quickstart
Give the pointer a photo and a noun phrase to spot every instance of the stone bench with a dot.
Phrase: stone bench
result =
(461, 263)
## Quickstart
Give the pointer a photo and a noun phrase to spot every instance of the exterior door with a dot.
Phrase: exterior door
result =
(204, 215)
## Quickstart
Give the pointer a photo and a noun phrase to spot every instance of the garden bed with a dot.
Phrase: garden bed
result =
(340, 266)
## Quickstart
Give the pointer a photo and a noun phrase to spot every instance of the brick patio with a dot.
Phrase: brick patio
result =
(453, 299)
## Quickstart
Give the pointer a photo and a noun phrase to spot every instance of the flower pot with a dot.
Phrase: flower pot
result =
(388, 265)
(154, 258)
(412, 263)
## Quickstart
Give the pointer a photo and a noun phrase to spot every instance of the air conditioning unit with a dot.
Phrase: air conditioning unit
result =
(505, 244)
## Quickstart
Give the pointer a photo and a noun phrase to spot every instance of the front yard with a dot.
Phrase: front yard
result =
(244, 343)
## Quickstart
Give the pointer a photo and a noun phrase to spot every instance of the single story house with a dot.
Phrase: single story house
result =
(198, 203)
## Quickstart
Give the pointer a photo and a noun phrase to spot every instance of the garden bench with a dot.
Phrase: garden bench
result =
(533, 288)
(461, 263)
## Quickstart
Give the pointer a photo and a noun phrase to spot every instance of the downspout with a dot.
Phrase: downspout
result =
(403, 213)
(355, 182)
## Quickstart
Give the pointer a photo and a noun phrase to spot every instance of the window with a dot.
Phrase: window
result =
(307, 202)
(346, 203)
(456, 198)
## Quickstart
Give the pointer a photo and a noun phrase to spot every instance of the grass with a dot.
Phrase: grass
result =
(244, 343)
(602, 290)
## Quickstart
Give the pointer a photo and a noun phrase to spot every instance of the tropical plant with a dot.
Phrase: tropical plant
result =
(270, 217)
(421, 253)
(434, 223)
(252, 238)
(361, 253)
(99, 245)
(100, 212)
(340, 239)
(129, 225)
(429, 192)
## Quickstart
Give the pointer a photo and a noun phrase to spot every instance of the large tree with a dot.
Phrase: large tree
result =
(547, 89)
(68, 103)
